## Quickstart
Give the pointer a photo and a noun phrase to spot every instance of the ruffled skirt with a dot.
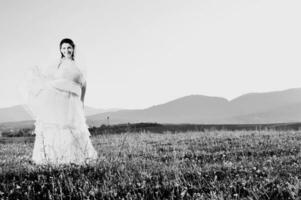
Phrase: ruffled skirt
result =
(62, 136)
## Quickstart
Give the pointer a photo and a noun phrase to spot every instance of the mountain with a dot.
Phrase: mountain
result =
(269, 107)
(177, 111)
(288, 113)
(91, 111)
(261, 102)
(19, 113)
(183, 110)
(14, 113)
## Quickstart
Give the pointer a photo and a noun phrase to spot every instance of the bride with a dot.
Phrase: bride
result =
(56, 101)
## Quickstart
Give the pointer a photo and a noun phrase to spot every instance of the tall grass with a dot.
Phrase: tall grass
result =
(191, 165)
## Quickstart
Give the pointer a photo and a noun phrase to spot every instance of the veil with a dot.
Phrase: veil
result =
(36, 77)
(34, 80)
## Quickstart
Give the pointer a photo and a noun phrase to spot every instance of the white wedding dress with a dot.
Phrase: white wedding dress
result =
(62, 135)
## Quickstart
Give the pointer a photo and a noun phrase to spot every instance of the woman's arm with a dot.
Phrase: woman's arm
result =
(84, 87)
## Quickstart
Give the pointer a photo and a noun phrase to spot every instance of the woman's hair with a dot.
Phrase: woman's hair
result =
(68, 41)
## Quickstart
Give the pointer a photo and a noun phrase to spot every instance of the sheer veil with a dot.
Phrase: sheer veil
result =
(34, 80)
(36, 77)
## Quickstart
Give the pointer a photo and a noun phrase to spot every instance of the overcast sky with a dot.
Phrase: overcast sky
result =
(142, 53)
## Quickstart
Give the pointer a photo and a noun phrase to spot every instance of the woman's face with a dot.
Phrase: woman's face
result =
(67, 50)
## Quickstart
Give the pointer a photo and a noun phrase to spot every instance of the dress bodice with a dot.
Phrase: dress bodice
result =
(68, 70)
(68, 77)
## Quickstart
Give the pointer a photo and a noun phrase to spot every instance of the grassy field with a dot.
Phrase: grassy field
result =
(192, 165)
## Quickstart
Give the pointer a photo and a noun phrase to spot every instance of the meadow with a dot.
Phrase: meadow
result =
(188, 165)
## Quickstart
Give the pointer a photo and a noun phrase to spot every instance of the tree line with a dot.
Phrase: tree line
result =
(163, 128)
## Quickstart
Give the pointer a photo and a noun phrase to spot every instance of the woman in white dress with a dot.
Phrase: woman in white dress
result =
(56, 101)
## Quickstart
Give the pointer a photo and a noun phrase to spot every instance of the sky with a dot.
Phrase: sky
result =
(144, 53)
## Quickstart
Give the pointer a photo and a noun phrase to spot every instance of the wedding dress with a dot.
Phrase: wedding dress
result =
(62, 135)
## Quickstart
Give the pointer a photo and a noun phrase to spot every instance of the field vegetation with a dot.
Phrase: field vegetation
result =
(215, 164)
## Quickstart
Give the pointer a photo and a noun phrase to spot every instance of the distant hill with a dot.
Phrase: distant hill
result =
(289, 114)
(13, 114)
(93, 111)
(16, 125)
(19, 113)
(182, 110)
(264, 102)
(270, 107)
